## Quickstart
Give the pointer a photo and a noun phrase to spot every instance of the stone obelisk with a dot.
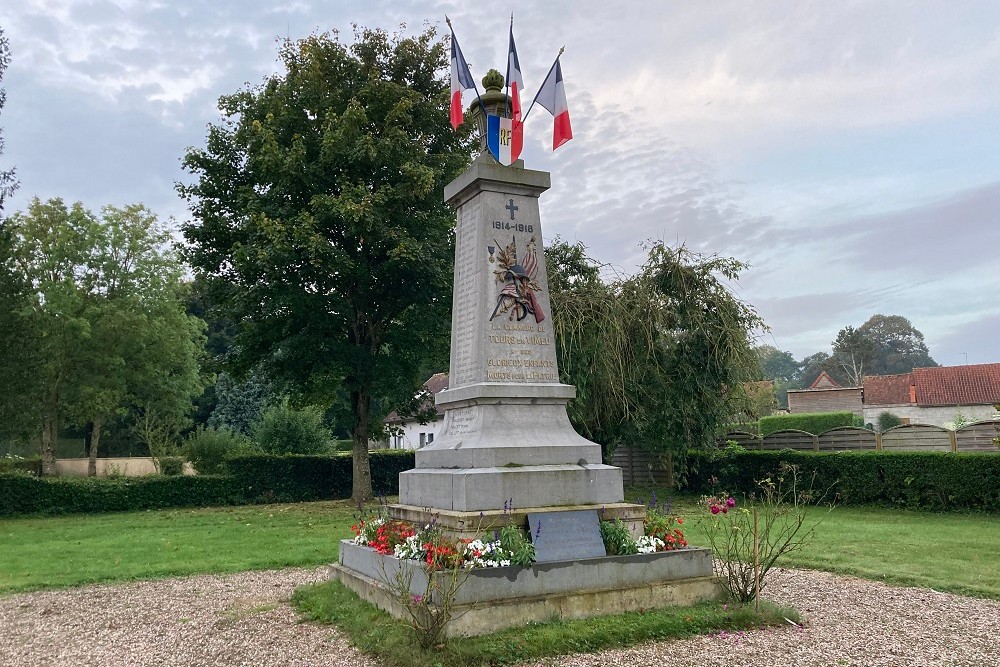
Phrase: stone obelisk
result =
(506, 437)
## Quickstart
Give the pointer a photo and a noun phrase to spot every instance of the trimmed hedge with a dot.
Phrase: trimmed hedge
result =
(810, 422)
(296, 478)
(258, 478)
(915, 480)
(24, 494)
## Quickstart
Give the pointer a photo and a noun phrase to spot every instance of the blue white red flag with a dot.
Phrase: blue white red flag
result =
(461, 79)
(504, 139)
(514, 79)
(552, 96)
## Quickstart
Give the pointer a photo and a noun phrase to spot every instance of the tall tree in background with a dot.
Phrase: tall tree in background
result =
(660, 359)
(781, 367)
(319, 221)
(815, 364)
(899, 346)
(107, 318)
(854, 353)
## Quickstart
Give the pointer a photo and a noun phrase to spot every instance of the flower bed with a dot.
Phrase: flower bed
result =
(508, 546)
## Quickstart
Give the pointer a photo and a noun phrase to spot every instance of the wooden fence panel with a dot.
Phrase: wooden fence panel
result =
(789, 439)
(917, 437)
(741, 438)
(641, 467)
(847, 438)
(978, 437)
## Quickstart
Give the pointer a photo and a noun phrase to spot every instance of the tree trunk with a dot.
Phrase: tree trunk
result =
(362, 486)
(95, 439)
(50, 435)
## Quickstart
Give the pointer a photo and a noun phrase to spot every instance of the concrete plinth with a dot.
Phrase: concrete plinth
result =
(460, 525)
(473, 489)
(490, 599)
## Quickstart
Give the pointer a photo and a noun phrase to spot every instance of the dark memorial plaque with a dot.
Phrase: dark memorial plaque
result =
(566, 535)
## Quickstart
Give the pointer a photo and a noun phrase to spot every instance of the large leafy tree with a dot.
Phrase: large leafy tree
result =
(319, 223)
(899, 346)
(854, 352)
(660, 359)
(884, 345)
(109, 334)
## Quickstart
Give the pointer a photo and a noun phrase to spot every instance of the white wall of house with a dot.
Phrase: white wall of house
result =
(415, 435)
(936, 415)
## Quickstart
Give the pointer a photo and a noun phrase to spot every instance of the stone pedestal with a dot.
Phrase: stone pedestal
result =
(506, 437)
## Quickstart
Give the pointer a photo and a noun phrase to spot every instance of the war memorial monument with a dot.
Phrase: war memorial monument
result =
(507, 453)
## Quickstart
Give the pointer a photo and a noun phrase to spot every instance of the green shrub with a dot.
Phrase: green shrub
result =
(617, 538)
(887, 420)
(31, 465)
(915, 480)
(24, 494)
(208, 449)
(171, 465)
(810, 422)
(285, 430)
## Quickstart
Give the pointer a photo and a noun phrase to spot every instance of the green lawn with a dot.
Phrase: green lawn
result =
(68, 551)
(951, 552)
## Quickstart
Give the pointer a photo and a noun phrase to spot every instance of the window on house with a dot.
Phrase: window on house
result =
(423, 439)
(430, 438)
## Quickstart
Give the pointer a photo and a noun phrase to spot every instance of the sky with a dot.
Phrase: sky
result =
(848, 151)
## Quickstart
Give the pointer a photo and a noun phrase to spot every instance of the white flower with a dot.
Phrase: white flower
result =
(648, 544)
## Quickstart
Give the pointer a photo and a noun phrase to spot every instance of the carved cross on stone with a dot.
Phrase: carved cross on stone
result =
(510, 207)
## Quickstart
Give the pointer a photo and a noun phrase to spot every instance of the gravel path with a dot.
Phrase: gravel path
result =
(245, 620)
(847, 621)
(238, 620)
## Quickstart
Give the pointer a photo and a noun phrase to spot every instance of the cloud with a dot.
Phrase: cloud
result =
(973, 342)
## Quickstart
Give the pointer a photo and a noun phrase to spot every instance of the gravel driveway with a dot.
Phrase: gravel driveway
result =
(245, 620)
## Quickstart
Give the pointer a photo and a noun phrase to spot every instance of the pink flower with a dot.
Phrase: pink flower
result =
(417, 599)
(730, 502)
(715, 509)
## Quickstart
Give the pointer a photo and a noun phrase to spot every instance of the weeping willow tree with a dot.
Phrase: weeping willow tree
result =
(660, 359)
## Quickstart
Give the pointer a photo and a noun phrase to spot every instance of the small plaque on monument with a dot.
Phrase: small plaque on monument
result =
(566, 535)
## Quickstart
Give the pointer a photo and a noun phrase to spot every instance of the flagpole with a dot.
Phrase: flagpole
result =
(507, 77)
(543, 84)
(475, 85)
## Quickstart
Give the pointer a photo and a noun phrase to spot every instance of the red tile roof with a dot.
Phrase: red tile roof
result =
(887, 389)
(958, 385)
(977, 384)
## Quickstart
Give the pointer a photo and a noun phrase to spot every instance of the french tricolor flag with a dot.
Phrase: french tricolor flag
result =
(552, 96)
(461, 79)
(514, 79)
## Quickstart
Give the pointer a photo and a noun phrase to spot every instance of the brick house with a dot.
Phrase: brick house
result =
(825, 395)
(935, 395)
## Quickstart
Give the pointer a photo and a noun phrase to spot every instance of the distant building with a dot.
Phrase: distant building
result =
(825, 395)
(934, 395)
(410, 433)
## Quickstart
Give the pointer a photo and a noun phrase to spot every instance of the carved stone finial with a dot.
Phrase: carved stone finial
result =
(493, 80)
